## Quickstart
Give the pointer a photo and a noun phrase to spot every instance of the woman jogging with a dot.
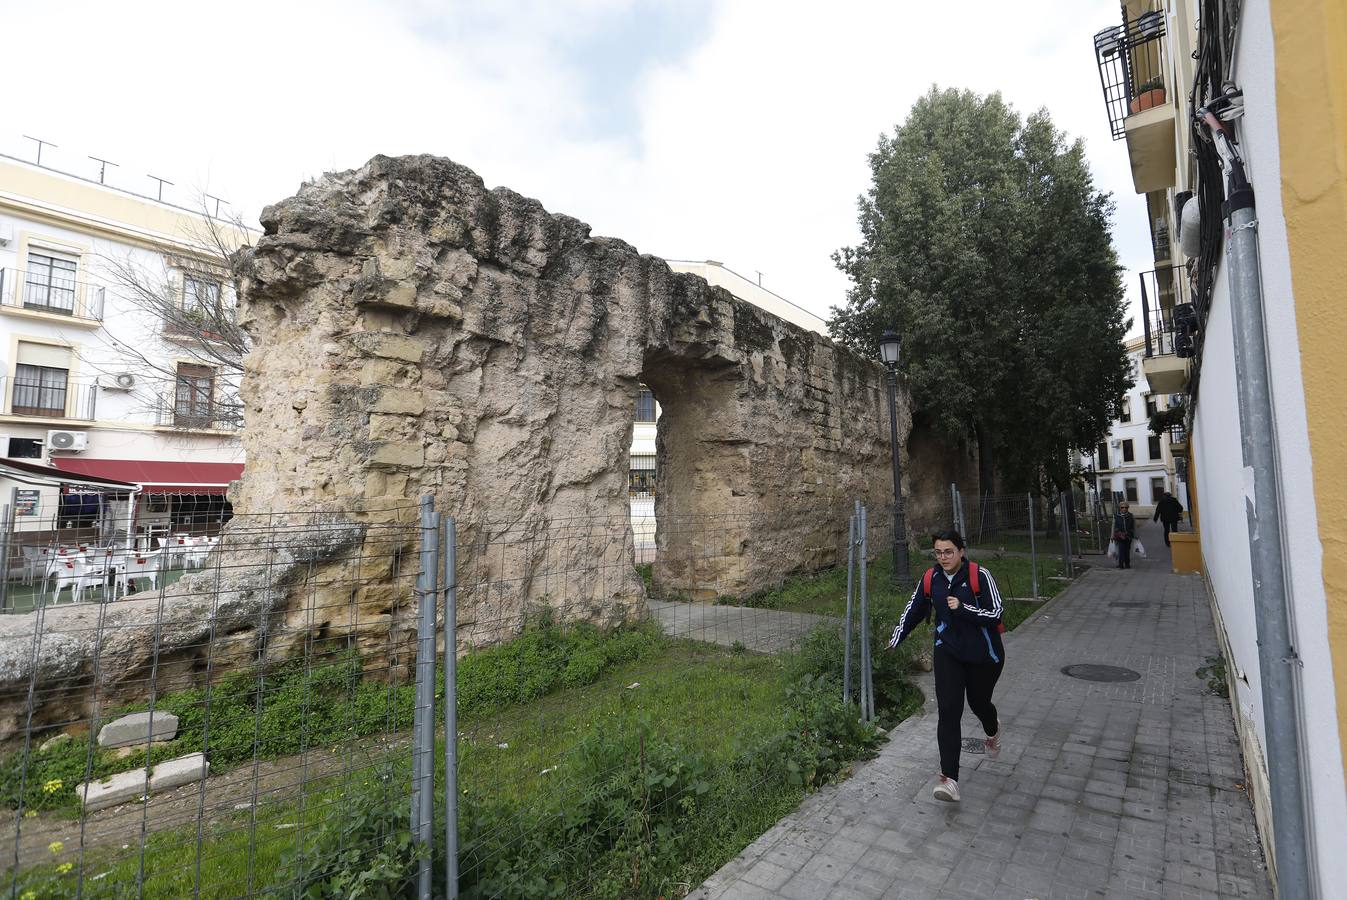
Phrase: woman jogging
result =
(968, 650)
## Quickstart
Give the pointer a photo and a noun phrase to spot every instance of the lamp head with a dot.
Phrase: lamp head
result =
(888, 348)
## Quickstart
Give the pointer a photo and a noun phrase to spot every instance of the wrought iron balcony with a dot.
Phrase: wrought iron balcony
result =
(193, 414)
(49, 400)
(39, 291)
(1132, 70)
(1163, 291)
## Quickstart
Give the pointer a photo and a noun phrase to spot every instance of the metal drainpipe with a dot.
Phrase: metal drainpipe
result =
(1278, 660)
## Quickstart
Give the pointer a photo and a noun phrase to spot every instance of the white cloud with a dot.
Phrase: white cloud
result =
(750, 149)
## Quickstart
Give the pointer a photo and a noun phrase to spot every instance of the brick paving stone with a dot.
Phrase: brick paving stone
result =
(1127, 790)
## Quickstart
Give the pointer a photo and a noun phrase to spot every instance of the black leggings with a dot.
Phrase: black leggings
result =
(952, 679)
(1124, 553)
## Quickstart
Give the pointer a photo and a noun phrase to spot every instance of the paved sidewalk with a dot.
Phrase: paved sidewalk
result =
(1121, 790)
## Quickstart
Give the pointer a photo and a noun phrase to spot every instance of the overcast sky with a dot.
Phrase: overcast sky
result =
(734, 130)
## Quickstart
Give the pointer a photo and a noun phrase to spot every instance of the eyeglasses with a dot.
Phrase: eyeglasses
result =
(950, 552)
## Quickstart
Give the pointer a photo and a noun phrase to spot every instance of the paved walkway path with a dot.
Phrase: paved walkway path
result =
(759, 630)
(1118, 790)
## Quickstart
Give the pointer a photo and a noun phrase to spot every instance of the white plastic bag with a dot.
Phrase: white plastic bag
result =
(1138, 548)
(1112, 549)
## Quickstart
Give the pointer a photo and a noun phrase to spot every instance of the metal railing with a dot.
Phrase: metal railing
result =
(71, 400)
(38, 291)
(218, 414)
(1162, 290)
(1131, 59)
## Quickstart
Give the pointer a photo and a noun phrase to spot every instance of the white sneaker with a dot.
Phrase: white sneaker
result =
(947, 790)
(993, 743)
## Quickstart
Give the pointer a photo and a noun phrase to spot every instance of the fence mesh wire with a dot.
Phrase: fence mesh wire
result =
(277, 654)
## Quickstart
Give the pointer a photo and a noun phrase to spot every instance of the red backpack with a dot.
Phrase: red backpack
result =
(974, 582)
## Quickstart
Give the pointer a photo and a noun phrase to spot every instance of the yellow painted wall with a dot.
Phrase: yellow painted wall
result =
(1311, 50)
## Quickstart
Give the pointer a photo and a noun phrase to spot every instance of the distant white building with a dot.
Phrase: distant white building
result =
(1133, 463)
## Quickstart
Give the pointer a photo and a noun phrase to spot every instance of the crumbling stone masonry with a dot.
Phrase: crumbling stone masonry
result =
(415, 332)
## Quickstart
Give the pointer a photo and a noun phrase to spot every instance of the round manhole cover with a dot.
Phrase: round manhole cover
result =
(974, 745)
(1096, 672)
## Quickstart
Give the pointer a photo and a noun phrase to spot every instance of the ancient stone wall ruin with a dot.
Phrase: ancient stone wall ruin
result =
(417, 333)
(420, 333)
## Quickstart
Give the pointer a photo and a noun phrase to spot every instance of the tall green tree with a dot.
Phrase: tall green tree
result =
(986, 246)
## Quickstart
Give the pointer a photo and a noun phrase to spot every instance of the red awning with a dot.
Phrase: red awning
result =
(157, 476)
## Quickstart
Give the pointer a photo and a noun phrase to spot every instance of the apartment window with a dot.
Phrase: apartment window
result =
(1129, 455)
(1103, 457)
(193, 404)
(645, 406)
(49, 282)
(1130, 489)
(1154, 446)
(1151, 408)
(200, 295)
(1157, 489)
(1106, 489)
(24, 448)
(41, 379)
(1125, 410)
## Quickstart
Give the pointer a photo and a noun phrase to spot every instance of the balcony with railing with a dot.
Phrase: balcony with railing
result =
(41, 291)
(1169, 326)
(49, 399)
(193, 413)
(1135, 75)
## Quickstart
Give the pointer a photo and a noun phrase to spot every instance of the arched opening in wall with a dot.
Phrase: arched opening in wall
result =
(702, 533)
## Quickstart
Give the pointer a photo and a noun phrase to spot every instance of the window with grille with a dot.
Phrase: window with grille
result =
(194, 402)
(39, 391)
(1154, 442)
(1130, 486)
(645, 406)
(49, 282)
(1129, 455)
(1103, 457)
(1157, 489)
(200, 294)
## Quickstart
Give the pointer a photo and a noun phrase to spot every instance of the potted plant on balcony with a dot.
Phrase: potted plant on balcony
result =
(1149, 93)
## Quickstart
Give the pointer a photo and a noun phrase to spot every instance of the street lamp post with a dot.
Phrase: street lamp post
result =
(888, 352)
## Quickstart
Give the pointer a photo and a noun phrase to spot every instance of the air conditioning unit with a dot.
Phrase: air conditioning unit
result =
(68, 440)
(122, 381)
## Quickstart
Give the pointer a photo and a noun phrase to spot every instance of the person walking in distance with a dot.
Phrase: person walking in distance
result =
(1168, 511)
(968, 653)
(1124, 531)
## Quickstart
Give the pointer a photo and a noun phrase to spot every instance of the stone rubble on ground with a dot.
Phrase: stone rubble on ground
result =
(138, 728)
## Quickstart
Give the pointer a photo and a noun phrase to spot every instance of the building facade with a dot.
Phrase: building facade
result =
(1246, 186)
(1135, 462)
(108, 365)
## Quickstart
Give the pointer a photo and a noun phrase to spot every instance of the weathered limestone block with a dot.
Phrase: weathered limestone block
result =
(138, 728)
(125, 787)
(120, 788)
(173, 773)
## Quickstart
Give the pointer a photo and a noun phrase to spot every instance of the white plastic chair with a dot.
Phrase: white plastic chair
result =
(138, 566)
(74, 572)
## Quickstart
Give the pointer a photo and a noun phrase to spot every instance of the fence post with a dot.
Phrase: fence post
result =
(451, 708)
(846, 653)
(963, 519)
(867, 698)
(6, 542)
(423, 726)
(1033, 549)
(1062, 501)
(954, 505)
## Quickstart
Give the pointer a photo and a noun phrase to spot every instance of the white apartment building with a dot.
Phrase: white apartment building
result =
(1134, 463)
(1235, 119)
(94, 382)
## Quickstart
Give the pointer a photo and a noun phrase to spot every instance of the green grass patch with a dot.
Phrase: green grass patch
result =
(302, 705)
(652, 774)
